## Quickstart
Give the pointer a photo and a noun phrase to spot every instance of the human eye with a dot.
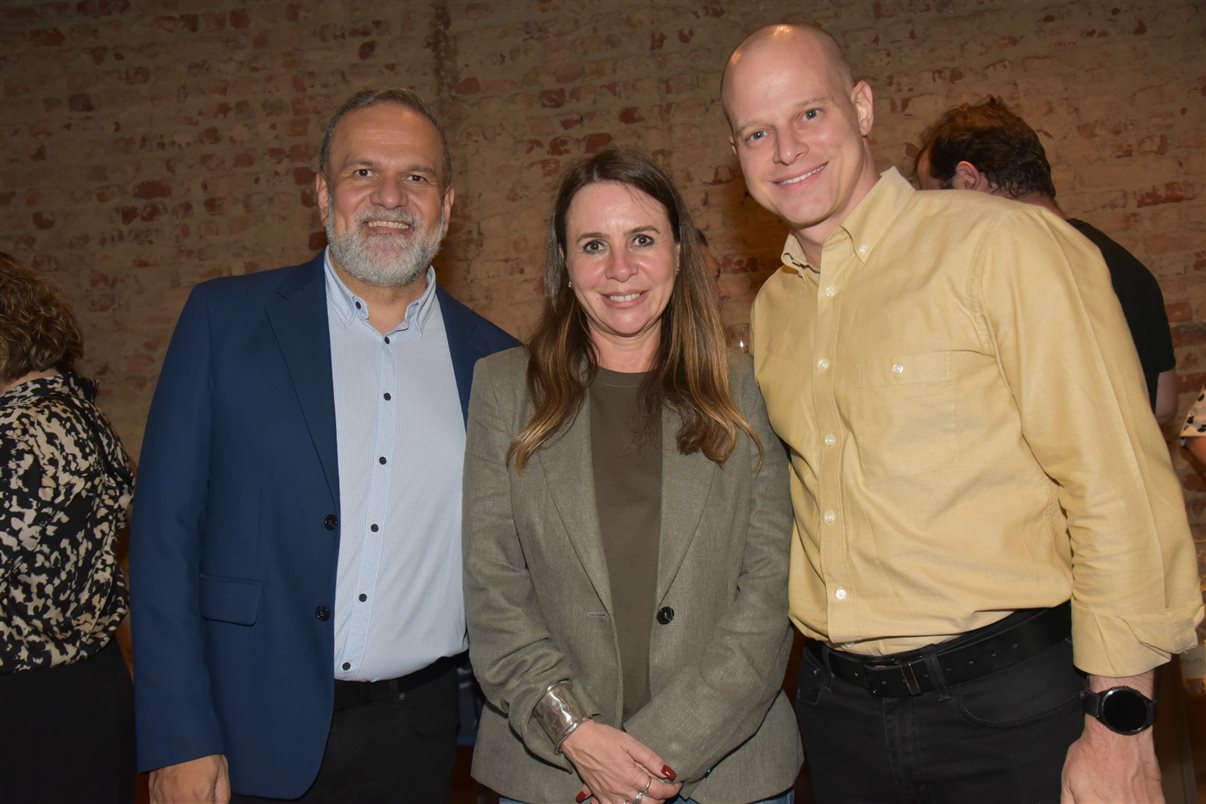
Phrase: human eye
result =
(755, 136)
(811, 114)
(362, 172)
(418, 178)
(594, 246)
(642, 240)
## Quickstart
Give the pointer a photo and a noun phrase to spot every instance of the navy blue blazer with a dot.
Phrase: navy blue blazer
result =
(235, 535)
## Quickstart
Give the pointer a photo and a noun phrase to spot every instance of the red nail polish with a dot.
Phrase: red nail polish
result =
(667, 771)
(580, 797)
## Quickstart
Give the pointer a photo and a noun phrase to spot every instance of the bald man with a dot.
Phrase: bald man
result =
(985, 512)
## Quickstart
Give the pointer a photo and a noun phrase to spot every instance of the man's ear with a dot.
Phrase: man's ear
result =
(449, 197)
(968, 177)
(320, 192)
(864, 106)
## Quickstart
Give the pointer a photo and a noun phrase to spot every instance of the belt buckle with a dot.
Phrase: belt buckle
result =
(910, 678)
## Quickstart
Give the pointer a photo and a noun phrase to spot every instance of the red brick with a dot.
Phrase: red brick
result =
(596, 142)
(102, 8)
(47, 37)
(552, 98)
(1178, 312)
(1171, 193)
(152, 189)
(630, 115)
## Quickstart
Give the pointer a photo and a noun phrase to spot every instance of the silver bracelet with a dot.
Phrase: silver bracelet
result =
(559, 713)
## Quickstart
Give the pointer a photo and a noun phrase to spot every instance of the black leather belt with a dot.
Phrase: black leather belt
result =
(976, 653)
(360, 693)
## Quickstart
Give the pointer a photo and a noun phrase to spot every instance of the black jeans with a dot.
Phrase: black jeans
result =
(395, 748)
(998, 738)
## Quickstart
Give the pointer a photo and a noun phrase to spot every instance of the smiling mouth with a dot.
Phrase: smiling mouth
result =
(802, 176)
(388, 225)
(626, 297)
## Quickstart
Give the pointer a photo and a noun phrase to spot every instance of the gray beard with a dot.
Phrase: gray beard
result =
(379, 264)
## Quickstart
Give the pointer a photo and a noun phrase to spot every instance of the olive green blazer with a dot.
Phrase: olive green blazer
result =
(538, 601)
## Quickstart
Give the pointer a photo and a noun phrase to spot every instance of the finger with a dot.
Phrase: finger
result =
(663, 790)
(583, 794)
(651, 763)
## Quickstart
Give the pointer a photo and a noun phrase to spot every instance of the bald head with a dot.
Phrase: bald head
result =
(800, 125)
(774, 40)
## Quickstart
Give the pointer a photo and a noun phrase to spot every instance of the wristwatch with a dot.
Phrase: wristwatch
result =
(1122, 709)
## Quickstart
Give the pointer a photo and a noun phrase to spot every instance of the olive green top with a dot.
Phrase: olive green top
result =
(626, 455)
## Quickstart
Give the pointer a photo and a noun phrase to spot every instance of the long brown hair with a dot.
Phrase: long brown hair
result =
(690, 371)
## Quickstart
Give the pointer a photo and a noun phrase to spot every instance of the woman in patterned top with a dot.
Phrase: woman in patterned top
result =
(65, 489)
(1193, 432)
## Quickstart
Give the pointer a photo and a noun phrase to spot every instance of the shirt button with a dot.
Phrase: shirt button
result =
(898, 368)
(381, 460)
(346, 665)
(862, 249)
(830, 517)
(387, 339)
(831, 292)
(823, 363)
(363, 597)
(387, 396)
(330, 521)
(840, 593)
(830, 440)
(665, 615)
(374, 528)
(322, 614)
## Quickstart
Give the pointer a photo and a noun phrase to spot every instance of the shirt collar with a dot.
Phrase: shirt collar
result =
(348, 307)
(865, 225)
(67, 382)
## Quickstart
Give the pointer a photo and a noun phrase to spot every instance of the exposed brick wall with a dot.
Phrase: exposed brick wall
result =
(150, 144)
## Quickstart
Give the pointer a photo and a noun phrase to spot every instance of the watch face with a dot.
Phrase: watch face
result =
(1125, 710)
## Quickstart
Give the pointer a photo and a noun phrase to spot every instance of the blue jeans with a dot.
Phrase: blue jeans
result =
(789, 797)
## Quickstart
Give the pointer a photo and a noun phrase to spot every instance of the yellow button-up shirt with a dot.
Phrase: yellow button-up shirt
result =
(970, 434)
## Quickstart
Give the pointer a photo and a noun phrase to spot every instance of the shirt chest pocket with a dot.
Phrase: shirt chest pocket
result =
(903, 413)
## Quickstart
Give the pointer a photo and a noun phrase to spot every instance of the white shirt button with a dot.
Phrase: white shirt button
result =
(862, 249)
(830, 439)
(830, 292)
(830, 517)
(898, 368)
(823, 363)
(840, 593)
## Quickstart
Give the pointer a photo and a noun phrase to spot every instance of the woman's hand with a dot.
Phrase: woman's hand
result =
(617, 767)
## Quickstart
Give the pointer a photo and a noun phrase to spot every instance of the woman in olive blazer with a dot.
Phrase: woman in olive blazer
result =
(539, 599)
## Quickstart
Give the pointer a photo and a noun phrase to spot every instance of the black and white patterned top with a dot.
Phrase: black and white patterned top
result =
(64, 497)
(1195, 422)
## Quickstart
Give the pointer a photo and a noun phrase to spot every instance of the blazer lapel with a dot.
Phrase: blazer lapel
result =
(298, 314)
(569, 477)
(463, 347)
(686, 484)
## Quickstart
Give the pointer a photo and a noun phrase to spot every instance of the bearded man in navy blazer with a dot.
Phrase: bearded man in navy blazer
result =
(295, 557)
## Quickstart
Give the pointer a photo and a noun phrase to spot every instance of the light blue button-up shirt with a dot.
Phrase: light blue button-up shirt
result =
(401, 444)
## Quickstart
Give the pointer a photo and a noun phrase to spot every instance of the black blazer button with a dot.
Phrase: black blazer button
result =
(330, 522)
(665, 614)
(322, 614)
